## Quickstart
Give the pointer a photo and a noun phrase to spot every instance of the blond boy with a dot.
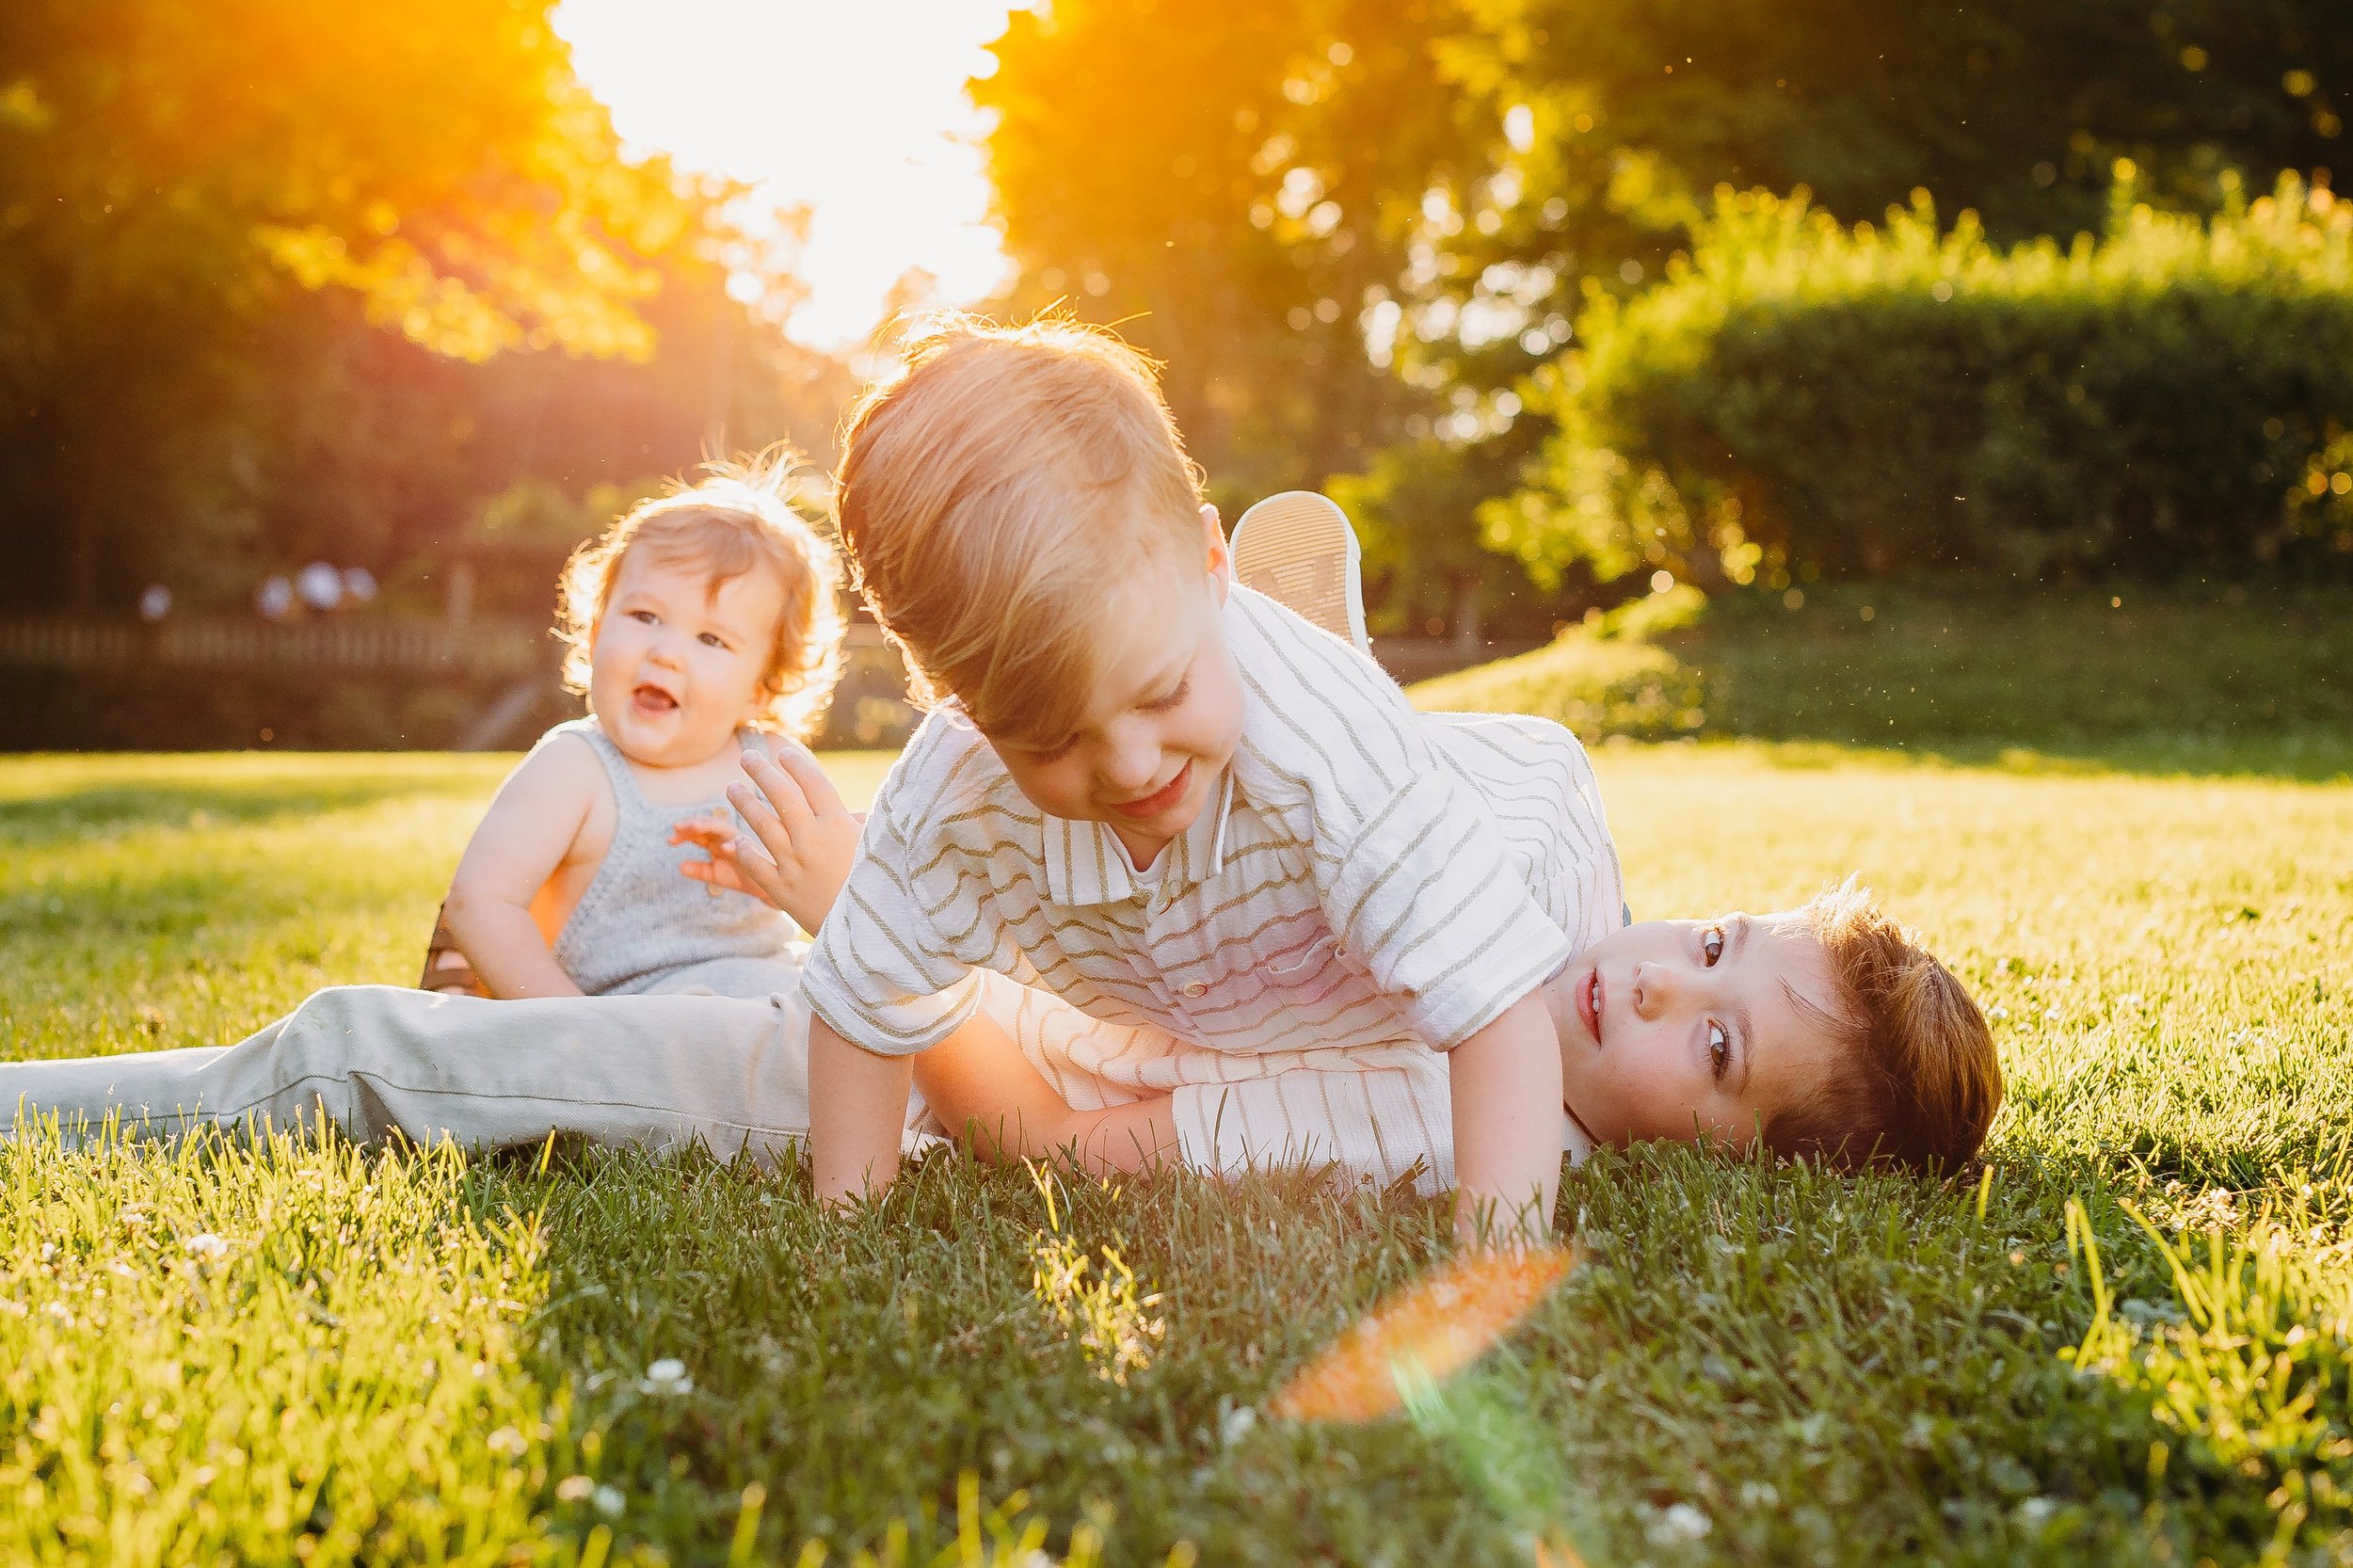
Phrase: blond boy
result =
(1158, 795)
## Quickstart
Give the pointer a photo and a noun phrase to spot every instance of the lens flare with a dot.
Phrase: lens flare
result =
(1426, 1332)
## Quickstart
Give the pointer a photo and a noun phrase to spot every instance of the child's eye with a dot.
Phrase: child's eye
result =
(646, 616)
(713, 639)
(1719, 1050)
(1712, 944)
(1162, 704)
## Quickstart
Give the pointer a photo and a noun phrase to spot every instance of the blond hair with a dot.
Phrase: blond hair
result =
(993, 493)
(734, 521)
(1916, 1080)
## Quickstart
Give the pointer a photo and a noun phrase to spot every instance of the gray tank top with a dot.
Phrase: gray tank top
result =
(642, 926)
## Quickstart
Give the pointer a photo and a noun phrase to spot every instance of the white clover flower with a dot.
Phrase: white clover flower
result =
(1997, 1012)
(507, 1441)
(2033, 1512)
(207, 1246)
(1680, 1525)
(1237, 1424)
(666, 1376)
(609, 1500)
(573, 1489)
(1759, 1493)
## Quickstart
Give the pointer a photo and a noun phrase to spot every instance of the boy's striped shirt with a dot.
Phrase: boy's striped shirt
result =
(1358, 892)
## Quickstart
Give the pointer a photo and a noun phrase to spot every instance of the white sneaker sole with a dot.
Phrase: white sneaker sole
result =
(1297, 549)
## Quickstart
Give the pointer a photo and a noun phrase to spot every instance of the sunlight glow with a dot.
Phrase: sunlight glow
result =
(1424, 1333)
(856, 110)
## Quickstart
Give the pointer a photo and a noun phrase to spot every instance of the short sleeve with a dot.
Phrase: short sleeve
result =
(1426, 895)
(879, 974)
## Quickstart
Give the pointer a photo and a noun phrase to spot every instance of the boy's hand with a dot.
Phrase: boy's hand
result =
(807, 837)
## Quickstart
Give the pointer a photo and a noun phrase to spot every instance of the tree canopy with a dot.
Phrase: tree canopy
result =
(274, 279)
(1352, 225)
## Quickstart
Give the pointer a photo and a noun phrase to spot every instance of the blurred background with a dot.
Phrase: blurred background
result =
(325, 334)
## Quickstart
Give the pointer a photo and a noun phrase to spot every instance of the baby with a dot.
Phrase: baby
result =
(702, 624)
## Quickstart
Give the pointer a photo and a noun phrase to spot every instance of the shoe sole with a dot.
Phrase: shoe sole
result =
(1297, 549)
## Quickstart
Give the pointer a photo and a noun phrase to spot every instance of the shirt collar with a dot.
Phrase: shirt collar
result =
(1086, 864)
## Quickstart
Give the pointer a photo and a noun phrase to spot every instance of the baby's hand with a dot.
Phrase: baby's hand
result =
(806, 836)
(716, 837)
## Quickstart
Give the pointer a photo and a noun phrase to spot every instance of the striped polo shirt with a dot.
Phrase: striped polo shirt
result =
(1349, 897)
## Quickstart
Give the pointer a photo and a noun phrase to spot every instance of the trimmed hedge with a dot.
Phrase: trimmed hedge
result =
(1796, 397)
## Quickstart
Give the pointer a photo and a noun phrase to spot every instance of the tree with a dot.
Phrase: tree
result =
(1226, 182)
(251, 251)
(1608, 124)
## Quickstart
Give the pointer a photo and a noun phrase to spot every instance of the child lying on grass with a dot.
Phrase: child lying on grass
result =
(1254, 880)
(702, 624)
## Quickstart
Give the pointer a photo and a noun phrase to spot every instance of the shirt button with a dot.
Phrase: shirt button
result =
(1197, 989)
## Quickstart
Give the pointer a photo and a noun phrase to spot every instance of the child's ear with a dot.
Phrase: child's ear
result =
(1220, 559)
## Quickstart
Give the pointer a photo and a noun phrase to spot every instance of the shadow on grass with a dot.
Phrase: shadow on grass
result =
(858, 1368)
(1817, 1368)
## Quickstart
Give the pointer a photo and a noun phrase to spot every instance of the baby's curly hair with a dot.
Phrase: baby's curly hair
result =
(734, 520)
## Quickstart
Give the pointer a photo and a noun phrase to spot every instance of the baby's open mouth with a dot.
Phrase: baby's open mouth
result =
(653, 700)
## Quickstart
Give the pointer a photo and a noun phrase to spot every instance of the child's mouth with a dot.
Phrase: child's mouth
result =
(1158, 800)
(652, 700)
(1588, 1005)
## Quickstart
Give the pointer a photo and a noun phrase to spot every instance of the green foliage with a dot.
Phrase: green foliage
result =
(1415, 512)
(1871, 400)
(1352, 230)
(253, 260)
(1220, 180)
(1754, 1363)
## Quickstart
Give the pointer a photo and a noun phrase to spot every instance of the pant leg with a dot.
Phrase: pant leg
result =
(658, 1071)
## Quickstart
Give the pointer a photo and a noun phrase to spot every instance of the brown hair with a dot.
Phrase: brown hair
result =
(1916, 1081)
(734, 521)
(993, 493)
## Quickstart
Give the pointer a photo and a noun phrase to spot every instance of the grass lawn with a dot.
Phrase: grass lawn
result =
(308, 1352)
(2145, 677)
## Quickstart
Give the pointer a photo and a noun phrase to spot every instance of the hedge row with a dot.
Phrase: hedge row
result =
(1798, 396)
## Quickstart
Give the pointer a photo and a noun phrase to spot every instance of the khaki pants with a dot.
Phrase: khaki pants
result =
(658, 1071)
(666, 1071)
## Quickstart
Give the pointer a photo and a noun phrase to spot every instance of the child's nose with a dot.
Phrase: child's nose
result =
(1655, 988)
(1129, 766)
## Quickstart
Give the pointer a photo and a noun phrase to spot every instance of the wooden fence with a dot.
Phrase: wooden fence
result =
(506, 666)
(355, 643)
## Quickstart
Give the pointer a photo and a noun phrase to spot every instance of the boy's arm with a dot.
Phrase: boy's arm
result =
(857, 1108)
(521, 842)
(1505, 1078)
(884, 979)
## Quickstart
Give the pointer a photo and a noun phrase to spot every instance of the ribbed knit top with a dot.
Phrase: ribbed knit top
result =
(642, 926)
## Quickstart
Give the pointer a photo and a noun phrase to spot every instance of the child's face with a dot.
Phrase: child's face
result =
(676, 665)
(1163, 720)
(1687, 1029)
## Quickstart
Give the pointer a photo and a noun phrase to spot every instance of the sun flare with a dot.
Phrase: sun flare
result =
(857, 111)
